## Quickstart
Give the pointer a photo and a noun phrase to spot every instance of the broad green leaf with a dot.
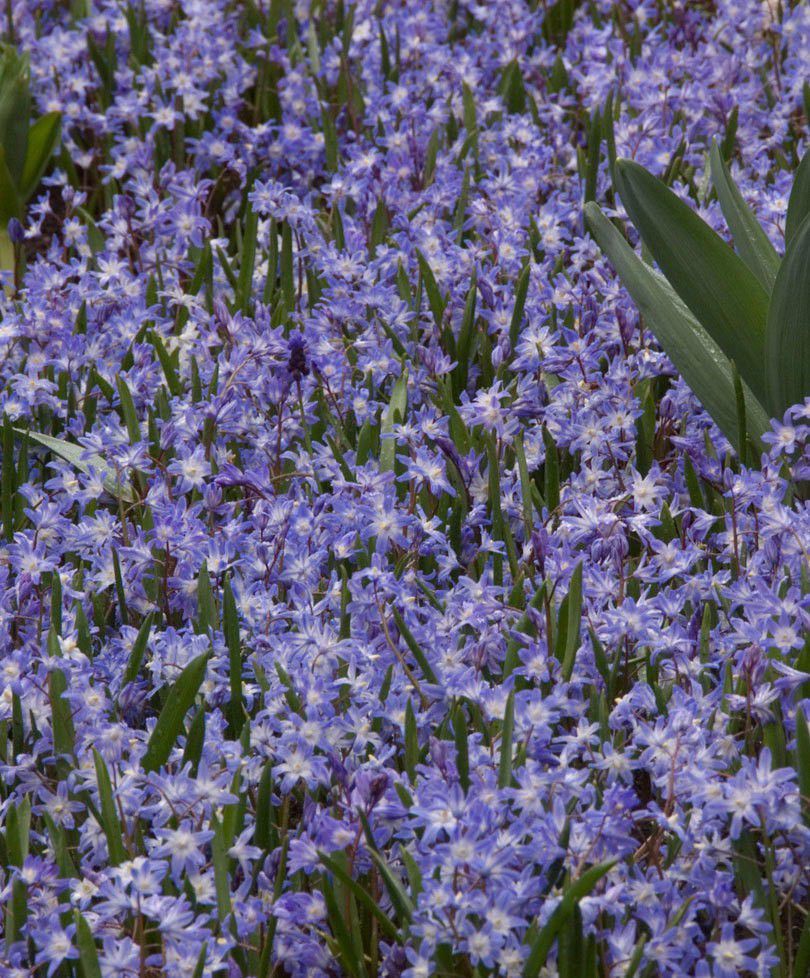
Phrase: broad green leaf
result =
(15, 108)
(713, 282)
(138, 648)
(393, 415)
(10, 203)
(42, 139)
(788, 339)
(573, 894)
(799, 202)
(751, 242)
(109, 815)
(696, 356)
(170, 722)
(73, 454)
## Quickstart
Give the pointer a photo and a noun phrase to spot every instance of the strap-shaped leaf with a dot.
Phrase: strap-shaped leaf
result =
(170, 722)
(751, 242)
(799, 202)
(10, 203)
(42, 139)
(714, 282)
(74, 454)
(575, 892)
(697, 357)
(394, 414)
(788, 339)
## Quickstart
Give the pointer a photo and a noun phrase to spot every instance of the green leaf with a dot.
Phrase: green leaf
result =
(206, 608)
(574, 622)
(88, 954)
(10, 203)
(803, 761)
(521, 291)
(138, 648)
(751, 242)
(415, 648)
(801, 963)
(411, 756)
(562, 912)
(788, 340)
(507, 734)
(42, 139)
(435, 300)
(128, 411)
(696, 356)
(394, 415)
(512, 88)
(713, 282)
(402, 903)
(64, 735)
(73, 454)
(15, 107)
(170, 722)
(244, 286)
(109, 815)
(360, 893)
(219, 857)
(799, 202)
(462, 748)
(230, 628)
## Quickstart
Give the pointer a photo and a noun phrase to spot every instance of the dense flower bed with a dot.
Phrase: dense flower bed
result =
(399, 611)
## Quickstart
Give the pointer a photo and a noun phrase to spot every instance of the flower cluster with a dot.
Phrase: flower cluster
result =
(375, 599)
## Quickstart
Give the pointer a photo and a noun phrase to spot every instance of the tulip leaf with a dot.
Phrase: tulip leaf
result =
(788, 337)
(692, 350)
(799, 201)
(751, 242)
(714, 283)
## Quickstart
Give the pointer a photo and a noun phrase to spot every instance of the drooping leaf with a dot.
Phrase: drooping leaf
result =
(788, 339)
(700, 361)
(750, 240)
(714, 283)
